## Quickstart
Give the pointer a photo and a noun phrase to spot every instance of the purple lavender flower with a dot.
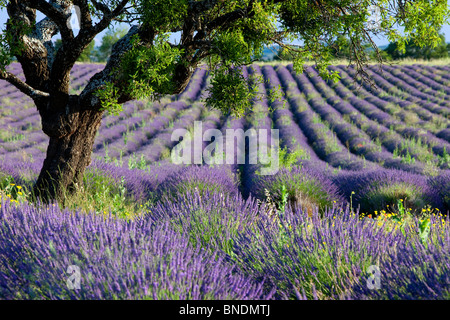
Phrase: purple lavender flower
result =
(113, 259)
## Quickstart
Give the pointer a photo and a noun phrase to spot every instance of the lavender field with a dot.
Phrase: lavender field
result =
(358, 209)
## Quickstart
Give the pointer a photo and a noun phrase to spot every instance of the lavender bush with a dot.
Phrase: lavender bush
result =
(116, 260)
(299, 186)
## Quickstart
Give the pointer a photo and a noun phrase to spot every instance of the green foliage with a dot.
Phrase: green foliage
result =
(424, 230)
(320, 23)
(241, 44)
(109, 97)
(385, 195)
(229, 92)
(144, 72)
(284, 198)
(162, 15)
(284, 54)
(12, 191)
(421, 21)
(134, 163)
(104, 195)
(148, 71)
(340, 48)
(87, 54)
(298, 190)
(233, 47)
(287, 159)
(10, 44)
(444, 159)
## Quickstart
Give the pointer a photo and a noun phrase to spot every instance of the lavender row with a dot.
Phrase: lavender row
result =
(416, 95)
(433, 124)
(398, 146)
(345, 159)
(419, 81)
(112, 132)
(195, 86)
(292, 251)
(391, 90)
(290, 133)
(407, 110)
(437, 145)
(410, 96)
(155, 147)
(356, 140)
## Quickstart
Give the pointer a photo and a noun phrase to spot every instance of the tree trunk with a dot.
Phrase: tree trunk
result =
(68, 154)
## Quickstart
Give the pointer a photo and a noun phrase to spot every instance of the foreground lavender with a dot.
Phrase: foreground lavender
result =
(216, 245)
(331, 256)
(116, 260)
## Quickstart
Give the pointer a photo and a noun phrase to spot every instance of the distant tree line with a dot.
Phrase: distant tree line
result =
(416, 52)
(99, 53)
(341, 49)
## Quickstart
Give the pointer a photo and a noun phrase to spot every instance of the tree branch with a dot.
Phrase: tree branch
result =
(101, 7)
(87, 96)
(85, 15)
(58, 11)
(230, 17)
(33, 51)
(44, 31)
(22, 86)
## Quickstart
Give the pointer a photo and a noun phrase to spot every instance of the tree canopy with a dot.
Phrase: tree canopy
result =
(229, 33)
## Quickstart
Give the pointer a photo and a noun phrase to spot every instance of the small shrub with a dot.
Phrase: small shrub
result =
(306, 188)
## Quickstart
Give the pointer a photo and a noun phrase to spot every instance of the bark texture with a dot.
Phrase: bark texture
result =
(72, 137)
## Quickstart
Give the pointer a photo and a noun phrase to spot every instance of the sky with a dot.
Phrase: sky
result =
(380, 41)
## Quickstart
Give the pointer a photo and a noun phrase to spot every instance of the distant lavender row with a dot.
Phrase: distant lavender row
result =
(324, 124)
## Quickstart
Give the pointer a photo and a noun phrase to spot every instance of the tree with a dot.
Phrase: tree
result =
(415, 51)
(85, 56)
(143, 63)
